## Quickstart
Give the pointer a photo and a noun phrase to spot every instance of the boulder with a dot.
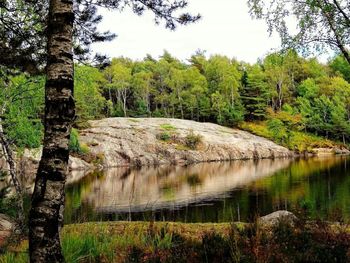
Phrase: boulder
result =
(276, 217)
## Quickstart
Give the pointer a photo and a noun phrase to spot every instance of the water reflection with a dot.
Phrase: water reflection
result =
(212, 191)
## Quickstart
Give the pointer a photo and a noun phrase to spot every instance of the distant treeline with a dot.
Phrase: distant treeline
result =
(289, 91)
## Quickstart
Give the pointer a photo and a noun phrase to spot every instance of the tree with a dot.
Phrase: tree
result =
(278, 79)
(196, 98)
(48, 197)
(176, 82)
(254, 92)
(46, 213)
(320, 23)
(87, 93)
(142, 85)
(119, 82)
(340, 65)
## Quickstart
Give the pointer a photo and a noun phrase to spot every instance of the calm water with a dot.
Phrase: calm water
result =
(213, 192)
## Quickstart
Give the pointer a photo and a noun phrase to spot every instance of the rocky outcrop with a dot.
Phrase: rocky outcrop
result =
(137, 142)
(116, 142)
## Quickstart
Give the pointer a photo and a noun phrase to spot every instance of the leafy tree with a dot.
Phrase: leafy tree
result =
(22, 109)
(308, 89)
(219, 105)
(120, 84)
(278, 130)
(196, 98)
(278, 79)
(89, 101)
(321, 24)
(340, 119)
(223, 75)
(142, 84)
(323, 114)
(340, 65)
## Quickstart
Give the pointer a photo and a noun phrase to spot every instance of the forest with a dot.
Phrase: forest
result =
(53, 82)
(282, 96)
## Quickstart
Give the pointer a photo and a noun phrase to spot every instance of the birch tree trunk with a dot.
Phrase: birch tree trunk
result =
(46, 214)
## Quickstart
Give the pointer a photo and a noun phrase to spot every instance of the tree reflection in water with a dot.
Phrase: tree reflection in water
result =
(213, 192)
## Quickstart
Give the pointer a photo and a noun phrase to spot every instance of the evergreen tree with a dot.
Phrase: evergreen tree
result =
(254, 93)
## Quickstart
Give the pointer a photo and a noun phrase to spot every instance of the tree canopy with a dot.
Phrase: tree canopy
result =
(320, 24)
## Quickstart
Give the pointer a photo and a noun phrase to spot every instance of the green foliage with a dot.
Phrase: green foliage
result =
(168, 127)
(23, 131)
(164, 136)
(291, 93)
(74, 144)
(294, 140)
(86, 249)
(278, 130)
(317, 25)
(8, 204)
(22, 103)
(10, 257)
(340, 66)
(137, 242)
(254, 92)
(90, 103)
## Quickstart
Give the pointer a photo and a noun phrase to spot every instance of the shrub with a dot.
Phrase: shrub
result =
(74, 144)
(193, 140)
(84, 149)
(164, 136)
(278, 130)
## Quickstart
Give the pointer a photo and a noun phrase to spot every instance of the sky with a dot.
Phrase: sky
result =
(226, 28)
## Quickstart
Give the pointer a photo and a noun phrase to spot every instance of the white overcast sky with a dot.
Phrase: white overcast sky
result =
(225, 28)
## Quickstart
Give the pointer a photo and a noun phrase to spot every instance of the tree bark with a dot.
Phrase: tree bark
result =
(46, 214)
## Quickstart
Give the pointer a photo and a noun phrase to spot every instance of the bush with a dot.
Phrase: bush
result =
(74, 144)
(164, 136)
(193, 140)
(278, 130)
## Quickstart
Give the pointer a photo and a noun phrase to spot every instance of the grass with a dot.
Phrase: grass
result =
(296, 141)
(179, 242)
(168, 127)
(133, 120)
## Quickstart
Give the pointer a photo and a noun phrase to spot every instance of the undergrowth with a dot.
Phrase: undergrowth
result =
(162, 242)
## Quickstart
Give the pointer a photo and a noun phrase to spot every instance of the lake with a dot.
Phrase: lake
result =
(214, 192)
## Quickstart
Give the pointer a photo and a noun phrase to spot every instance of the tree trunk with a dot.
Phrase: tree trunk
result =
(46, 214)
